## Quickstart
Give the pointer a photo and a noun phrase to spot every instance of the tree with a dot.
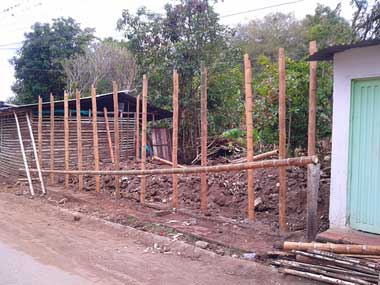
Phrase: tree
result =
(185, 36)
(366, 20)
(99, 65)
(38, 65)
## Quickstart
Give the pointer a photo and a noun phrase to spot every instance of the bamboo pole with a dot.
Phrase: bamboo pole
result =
(66, 130)
(38, 165)
(109, 139)
(282, 139)
(143, 137)
(138, 127)
(79, 142)
(175, 139)
(39, 130)
(31, 189)
(164, 161)
(52, 127)
(117, 136)
(312, 176)
(204, 138)
(257, 157)
(332, 247)
(95, 136)
(249, 123)
(274, 163)
(313, 276)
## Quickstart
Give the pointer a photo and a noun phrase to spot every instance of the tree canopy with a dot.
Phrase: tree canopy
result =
(38, 65)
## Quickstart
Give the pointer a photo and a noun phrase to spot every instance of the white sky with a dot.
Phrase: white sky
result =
(102, 15)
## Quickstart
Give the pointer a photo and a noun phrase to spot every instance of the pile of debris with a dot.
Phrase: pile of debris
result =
(350, 264)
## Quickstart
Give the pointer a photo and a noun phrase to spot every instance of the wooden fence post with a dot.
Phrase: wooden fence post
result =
(39, 130)
(79, 141)
(204, 137)
(282, 139)
(52, 130)
(175, 139)
(138, 127)
(109, 139)
(143, 137)
(67, 138)
(249, 123)
(312, 175)
(117, 136)
(95, 136)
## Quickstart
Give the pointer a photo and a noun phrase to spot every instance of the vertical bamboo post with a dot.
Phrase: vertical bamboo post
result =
(79, 142)
(312, 175)
(95, 137)
(109, 139)
(204, 137)
(52, 127)
(249, 123)
(24, 155)
(143, 137)
(282, 138)
(66, 130)
(117, 136)
(175, 138)
(39, 131)
(138, 127)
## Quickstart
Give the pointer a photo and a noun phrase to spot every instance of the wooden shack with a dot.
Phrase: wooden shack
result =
(11, 159)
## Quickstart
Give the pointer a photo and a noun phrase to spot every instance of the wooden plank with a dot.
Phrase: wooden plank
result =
(31, 189)
(39, 131)
(96, 137)
(313, 176)
(109, 139)
(249, 124)
(143, 137)
(138, 127)
(79, 140)
(312, 195)
(204, 138)
(35, 154)
(175, 139)
(117, 136)
(67, 137)
(282, 139)
(52, 131)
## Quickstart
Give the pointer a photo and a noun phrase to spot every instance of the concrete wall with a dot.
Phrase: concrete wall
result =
(348, 65)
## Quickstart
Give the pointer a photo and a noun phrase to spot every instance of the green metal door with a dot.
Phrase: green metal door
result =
(364, 156)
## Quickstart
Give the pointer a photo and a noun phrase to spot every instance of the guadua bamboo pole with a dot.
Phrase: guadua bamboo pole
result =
(143, 137)
(138, 127)
(109, 139)
(204, 138)
(39, 131)
(282, 139)
(117, 136)
(249, 124)
(274, 163)
(67, 138)
(95, 136)
(175, 138)
(79, 139)
(52, 130)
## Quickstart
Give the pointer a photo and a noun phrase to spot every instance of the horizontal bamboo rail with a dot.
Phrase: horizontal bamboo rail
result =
(331, 247)
(298, 161)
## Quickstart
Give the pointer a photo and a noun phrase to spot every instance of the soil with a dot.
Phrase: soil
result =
(102, 253)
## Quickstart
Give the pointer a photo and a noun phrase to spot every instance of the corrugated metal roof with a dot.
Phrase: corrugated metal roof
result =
(328, 53)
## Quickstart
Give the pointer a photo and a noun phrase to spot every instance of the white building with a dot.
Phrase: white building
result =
(355, 165)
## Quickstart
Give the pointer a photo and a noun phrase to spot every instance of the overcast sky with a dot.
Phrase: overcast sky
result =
(102, 15)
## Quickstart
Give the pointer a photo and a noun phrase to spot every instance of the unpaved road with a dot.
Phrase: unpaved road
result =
(39, 244)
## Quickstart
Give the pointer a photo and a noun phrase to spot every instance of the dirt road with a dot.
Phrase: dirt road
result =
(43, 245)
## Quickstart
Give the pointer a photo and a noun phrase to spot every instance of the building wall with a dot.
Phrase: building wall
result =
(348, 65)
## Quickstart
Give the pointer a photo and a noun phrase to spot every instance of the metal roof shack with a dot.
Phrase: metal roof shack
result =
(328, 53)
